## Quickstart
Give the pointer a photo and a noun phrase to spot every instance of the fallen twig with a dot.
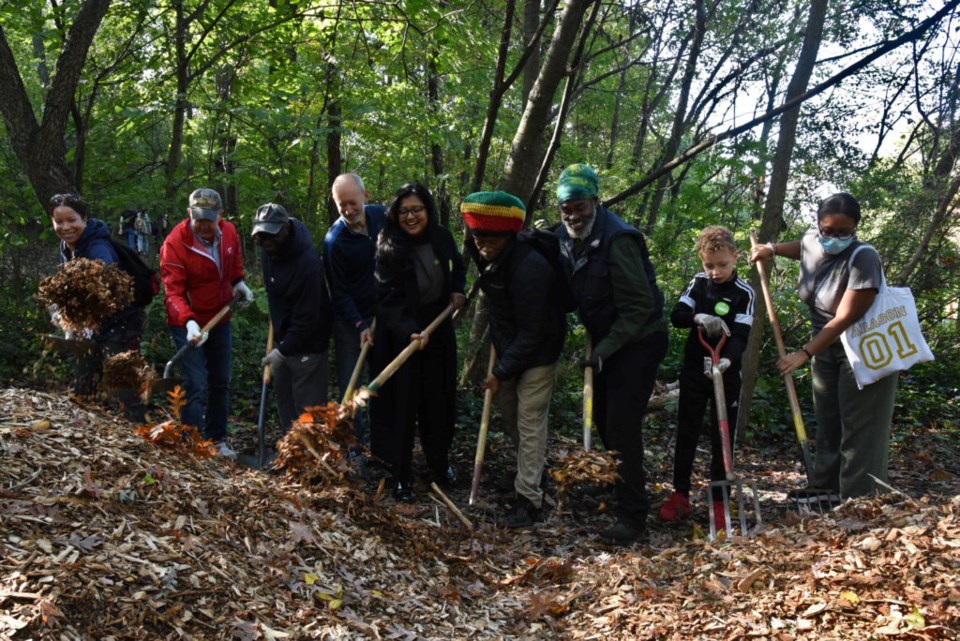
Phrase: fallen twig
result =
(453, 508)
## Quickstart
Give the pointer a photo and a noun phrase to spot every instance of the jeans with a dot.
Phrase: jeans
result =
(346, 345)
(206, 373)
(143, 243)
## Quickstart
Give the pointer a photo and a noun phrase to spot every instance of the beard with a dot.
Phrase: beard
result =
(585, 231)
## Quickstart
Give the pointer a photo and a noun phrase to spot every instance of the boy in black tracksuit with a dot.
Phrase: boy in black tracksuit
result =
(719, 302)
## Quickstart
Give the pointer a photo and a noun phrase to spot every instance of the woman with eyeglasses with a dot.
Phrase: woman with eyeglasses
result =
(85, 237)
(853, 425)
(419, 271)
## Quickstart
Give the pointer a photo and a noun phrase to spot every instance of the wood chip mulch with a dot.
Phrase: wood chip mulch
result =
(106, 536)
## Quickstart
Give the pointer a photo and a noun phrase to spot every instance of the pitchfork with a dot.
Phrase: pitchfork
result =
(732, 481)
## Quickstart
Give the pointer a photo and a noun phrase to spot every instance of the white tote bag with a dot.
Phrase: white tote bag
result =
(887, 339)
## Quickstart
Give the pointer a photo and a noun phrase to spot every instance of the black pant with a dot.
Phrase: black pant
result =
(696, 390)
(622, 391)
(123, 335)
(421, 394)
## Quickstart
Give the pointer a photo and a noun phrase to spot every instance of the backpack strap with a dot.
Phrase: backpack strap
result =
(883, 277)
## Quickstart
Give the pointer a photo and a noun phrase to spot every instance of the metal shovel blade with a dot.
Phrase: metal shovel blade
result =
(256, 461)
(166, 385)
(748, 510)
(67, 345)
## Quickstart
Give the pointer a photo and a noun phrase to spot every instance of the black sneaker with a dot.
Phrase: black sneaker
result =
(522, 514)
(403, 492)
(622, 533)
(446, 479)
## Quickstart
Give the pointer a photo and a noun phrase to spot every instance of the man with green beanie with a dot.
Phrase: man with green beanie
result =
(615, 289)
(527, 329)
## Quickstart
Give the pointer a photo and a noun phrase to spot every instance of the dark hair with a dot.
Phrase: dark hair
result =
(71, 200)
(413, 189)
(840, 203)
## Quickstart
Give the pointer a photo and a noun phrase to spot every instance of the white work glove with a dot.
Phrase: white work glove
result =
(54, 310)
(242, 289)
(194, 334)
(713, 325)
(723, 366)
(273, 359)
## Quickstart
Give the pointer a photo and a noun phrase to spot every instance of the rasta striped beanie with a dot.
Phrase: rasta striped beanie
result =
(493, 213)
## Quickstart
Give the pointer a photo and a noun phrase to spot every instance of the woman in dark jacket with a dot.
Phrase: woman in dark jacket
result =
(85, 237)
(419, 272)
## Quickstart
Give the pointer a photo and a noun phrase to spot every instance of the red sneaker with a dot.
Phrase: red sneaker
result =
(676, 508)
(719, 521)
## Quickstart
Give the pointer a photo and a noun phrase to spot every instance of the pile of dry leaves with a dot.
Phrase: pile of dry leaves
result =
(86, 292)
(106, 536)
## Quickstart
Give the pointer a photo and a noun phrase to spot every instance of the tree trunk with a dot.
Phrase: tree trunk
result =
(673, 143)
(440, 192)
(334, 155)
(526, 148)
(40, 146)
(618, 97)
(180, 105)
(531, 24)
(940, 190)
(773, 207)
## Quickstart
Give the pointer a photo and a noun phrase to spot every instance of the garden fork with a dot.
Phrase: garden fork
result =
(732, 482)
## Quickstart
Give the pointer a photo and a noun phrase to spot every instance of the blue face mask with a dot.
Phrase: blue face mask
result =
(835, 246)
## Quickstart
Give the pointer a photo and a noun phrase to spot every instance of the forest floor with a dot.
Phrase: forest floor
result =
(106, 536)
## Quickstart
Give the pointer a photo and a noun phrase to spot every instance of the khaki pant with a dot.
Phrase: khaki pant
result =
(525, 403)
(853, 426)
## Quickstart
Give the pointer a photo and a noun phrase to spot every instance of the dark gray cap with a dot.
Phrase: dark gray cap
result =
(270, 219)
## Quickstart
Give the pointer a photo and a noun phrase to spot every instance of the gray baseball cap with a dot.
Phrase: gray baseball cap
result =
(205, 204)
(270, 219)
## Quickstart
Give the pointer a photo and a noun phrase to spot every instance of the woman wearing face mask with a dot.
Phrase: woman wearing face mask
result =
(853, 425)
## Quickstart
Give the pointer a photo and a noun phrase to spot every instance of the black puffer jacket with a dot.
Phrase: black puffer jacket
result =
(527, 324)
(297, 295)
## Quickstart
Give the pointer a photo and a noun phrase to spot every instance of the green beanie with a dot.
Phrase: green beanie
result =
(577, 182)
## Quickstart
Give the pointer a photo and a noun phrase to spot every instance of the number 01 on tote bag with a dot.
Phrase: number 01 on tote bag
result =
(887, 339)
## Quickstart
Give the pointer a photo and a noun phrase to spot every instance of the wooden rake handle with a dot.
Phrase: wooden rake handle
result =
(355, 376)
(781, 351)
(484, 428)
(407, 352)
(588, 400)
(266, 368)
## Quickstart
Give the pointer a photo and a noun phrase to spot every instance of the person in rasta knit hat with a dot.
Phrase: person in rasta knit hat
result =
(614, 285)
(527, 329)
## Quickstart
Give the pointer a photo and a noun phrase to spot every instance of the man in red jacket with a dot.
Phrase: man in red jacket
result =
(202, 270)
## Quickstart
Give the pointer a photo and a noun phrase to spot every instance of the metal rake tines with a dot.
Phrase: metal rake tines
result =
(814, 500)
(735, 491)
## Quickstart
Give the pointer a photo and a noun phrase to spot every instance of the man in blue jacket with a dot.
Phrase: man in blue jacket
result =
(348, 261)
(299, 311)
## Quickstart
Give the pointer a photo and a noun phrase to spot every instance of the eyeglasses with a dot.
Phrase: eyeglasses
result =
(415, 212)
(839, 234)
(64, 199)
